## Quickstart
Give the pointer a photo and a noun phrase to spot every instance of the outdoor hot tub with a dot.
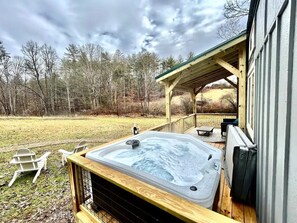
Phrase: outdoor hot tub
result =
(177, 163)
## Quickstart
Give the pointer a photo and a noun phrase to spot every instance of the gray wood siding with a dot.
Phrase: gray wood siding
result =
(276, 110)
(292, 179)
(272, 126)
(260, 25)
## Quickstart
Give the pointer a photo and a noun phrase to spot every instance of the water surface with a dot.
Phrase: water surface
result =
(173, 160)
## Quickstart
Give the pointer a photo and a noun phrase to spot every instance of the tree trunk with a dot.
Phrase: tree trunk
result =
(68, 99)
(145, 92)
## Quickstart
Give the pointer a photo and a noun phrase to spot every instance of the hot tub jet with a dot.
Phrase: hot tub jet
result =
(133, 142)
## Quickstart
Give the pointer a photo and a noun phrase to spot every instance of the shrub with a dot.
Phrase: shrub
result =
(216, 107)
(186, 104)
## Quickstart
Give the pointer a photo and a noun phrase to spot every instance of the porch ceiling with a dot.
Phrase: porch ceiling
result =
(204, 68)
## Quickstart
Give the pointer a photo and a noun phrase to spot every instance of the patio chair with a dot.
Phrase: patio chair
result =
(27, 162)
(227, 121)
(80, 147)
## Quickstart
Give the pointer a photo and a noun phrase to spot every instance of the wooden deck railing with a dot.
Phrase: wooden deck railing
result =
(177, 126)
(198, 119)
(80, 169)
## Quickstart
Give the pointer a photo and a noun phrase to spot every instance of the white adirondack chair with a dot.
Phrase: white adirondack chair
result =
(80, 147)
(27, 161)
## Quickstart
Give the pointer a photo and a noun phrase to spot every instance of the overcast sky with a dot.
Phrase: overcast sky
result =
(167, 27)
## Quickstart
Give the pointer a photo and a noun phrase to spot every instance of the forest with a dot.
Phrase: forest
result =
(86, 78)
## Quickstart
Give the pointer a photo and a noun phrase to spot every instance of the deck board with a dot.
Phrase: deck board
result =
(220, 197)
(250, 214)
(171, 203)
(225, 205)
(228, 207)
(237, 211)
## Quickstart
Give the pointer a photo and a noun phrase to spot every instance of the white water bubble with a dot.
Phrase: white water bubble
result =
(180, 163)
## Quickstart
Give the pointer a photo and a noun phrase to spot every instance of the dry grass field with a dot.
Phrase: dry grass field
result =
(213, 95)
(48, 200)
(216, 94)
(16, 131)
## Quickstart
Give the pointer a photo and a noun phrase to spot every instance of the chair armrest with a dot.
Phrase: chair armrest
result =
(13, 161)
(44, 156)
(65, 152)
(79, 147)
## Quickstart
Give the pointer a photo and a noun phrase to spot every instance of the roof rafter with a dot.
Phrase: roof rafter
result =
(199, 90)
(175, 82)
(228, 66)
(219, 50)
(231, 82)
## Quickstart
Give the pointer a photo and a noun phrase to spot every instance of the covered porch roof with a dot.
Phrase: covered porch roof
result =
(219, 62)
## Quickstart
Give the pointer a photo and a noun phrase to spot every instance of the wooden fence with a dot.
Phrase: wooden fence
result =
(193, 120)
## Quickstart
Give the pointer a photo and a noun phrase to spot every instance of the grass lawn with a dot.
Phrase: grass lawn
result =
(48, 200)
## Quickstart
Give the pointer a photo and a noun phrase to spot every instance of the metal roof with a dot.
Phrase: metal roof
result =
(202, 69)
(201, 54)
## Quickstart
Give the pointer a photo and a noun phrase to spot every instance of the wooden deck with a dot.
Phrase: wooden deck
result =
(227, 210)
(228, 207)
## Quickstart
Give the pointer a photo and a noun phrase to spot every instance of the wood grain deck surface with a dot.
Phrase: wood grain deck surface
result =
(173, 204)
(228, 207)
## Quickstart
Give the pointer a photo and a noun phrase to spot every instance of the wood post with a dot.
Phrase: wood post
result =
(194, 106)
(168, 103)
(194, 93)
(242, 87)
(168, 96)
(73, 187)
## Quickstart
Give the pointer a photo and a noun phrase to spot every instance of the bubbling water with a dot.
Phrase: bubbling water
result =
(173, 160)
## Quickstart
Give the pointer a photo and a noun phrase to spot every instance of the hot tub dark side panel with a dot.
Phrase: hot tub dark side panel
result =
(125, 206)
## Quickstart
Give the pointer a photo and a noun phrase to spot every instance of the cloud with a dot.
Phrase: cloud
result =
(167, 27)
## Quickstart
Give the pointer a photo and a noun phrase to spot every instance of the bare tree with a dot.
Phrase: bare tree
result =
(235, 13)
(72, 53)
(89, 63)
(5, 90)
(10, 71)
(118, 81)
(71, 76)
(86, 78)
(50, 60)
(230, 28)
(231, 100)
(190, 55)
(236, 8)
(66, 71)
(16, 70)
(3, 52)
(145, 68)
(34, 65)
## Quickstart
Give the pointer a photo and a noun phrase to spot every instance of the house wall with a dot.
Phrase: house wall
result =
(275, 131)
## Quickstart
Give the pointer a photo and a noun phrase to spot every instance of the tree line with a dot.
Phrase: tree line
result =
(87, 77)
